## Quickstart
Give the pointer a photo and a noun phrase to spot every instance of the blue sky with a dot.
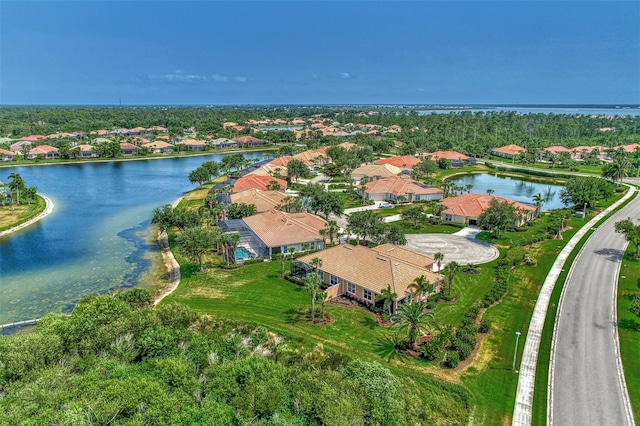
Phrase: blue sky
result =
(318, 52)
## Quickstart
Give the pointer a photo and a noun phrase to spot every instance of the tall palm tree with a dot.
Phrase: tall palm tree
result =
(538, 201)
(468, 187)
(280, 257)
(439, 257)
(412, 319)
(450, 272)
(420, 286)
(490, 191)
(16, 184)
(387, 296)
(312, 283)
(316, 262)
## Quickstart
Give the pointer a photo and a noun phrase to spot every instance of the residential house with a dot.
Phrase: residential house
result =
(6, 155)
(159, 147)
(508, 151)
(390, 188)
(263, 200)
(194, 145)
(404, 162)
(466, 208)
(263, 183)
(86, 151)
(311, 158)
(249, 141)
(457, 159)
(128, 148)
(375, 171)
(20, 146)
(274, 231)
(555, 150)
(45, 151)
(363, 273)
(221, 143)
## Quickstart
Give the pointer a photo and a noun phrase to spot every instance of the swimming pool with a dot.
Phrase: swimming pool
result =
(243, 254)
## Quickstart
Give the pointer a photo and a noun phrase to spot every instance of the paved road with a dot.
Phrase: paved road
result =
(587, 383)
(464, 250)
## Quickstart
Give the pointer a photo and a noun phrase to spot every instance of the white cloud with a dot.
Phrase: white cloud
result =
(345, 75)
(240, 79)
(179, 76)
(220, 78)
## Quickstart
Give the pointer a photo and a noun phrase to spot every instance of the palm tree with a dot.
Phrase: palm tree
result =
(312, 283)
(16, 184)
(490, 191)
(420, 286)
(439, 257)
(280, 257)
(316, 262)
(323, 297)
(450, 271)
(468, 187)
(387, 296)
(331, 230)
(538, 201)
(413, 320)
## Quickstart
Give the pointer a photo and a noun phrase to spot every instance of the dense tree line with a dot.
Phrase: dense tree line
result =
(117, 360)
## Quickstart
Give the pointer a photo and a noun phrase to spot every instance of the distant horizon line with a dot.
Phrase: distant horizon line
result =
(379, 105)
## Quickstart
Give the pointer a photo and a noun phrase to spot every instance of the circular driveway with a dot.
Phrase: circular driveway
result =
(454, 247)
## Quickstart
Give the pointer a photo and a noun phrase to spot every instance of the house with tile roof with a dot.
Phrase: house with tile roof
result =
(312, 158)
(466, 208)
(194, 145)
(404, 162)
(375, 171)
(389, 188)
(555, 150)
(159, 147)
(583, 151)
(221, 143)
(43, 151)
(362, 273)
(20, 146)
(263, 183)
(269, 169)
(6, 155)
(86, 151)
(249, 141)
(128, 148)
(508, 151)
(457, 159)
(273, 232)
(263, 200)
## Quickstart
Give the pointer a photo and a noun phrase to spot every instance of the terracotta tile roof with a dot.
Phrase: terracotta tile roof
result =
(258, 182)
(281, 161)
(556, 149)
(193, 142)
(472, 205)
(400, 185)
(158, 129)
(263, 200)
(127, 145)
(42, 149)
(17, 146)
(246, 139)
(511, 149)
(372, 269)
(32, 138)
(383, 170)
(270, 170)
(5, 152)
(404, 161)
(345, 145)
(405, 255)
(157, 145)
(276, 228)
(447, 155)
(629, 148)
(85, 147)
(308, 157)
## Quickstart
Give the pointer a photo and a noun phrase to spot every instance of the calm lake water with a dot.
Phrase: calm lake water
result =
(98, 237)
(514, 189)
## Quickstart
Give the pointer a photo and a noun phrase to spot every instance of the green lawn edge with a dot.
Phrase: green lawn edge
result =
(541, 387)
(35, 209)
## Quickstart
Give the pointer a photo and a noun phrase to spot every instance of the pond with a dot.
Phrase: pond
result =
(512, 188)
(98, 237)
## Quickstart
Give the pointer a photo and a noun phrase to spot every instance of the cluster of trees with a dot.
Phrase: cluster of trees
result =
(585, 191)
(116, 360)
(15, 191)
(368, 226)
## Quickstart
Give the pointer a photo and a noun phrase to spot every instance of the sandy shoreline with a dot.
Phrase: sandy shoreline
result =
(46, 212)
(170, 262)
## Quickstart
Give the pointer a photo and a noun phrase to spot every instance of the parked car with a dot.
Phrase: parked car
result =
(385, 205)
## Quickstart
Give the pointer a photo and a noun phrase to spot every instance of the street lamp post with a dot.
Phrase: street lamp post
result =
(515, 352)
(584, 211)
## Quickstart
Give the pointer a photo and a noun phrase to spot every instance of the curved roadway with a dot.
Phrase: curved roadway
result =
(587, 384)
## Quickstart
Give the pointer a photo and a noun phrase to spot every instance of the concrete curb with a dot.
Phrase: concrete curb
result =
(522, 413)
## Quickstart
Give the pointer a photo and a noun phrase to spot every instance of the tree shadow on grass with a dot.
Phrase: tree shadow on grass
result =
(369, 322)
(629, 324)
(296, 315)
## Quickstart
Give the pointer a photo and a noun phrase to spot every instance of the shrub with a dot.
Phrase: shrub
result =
(453, 359)
(485, 326)
(635, 305)
(432, 349)
(464, 351)
(252, 261)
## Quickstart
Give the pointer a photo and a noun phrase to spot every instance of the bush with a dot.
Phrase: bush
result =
(635, 305)
(453, 359)
(464, 351)
(485, 326)
(252, 261)
(432, 349)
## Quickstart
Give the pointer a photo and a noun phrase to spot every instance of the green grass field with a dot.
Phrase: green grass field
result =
(629, 328)
(11, 217)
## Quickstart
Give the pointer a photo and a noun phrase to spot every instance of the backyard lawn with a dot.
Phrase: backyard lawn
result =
(14, 216)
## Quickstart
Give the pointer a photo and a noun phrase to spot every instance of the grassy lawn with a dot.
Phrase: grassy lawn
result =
(10, 217)
(629, 328)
